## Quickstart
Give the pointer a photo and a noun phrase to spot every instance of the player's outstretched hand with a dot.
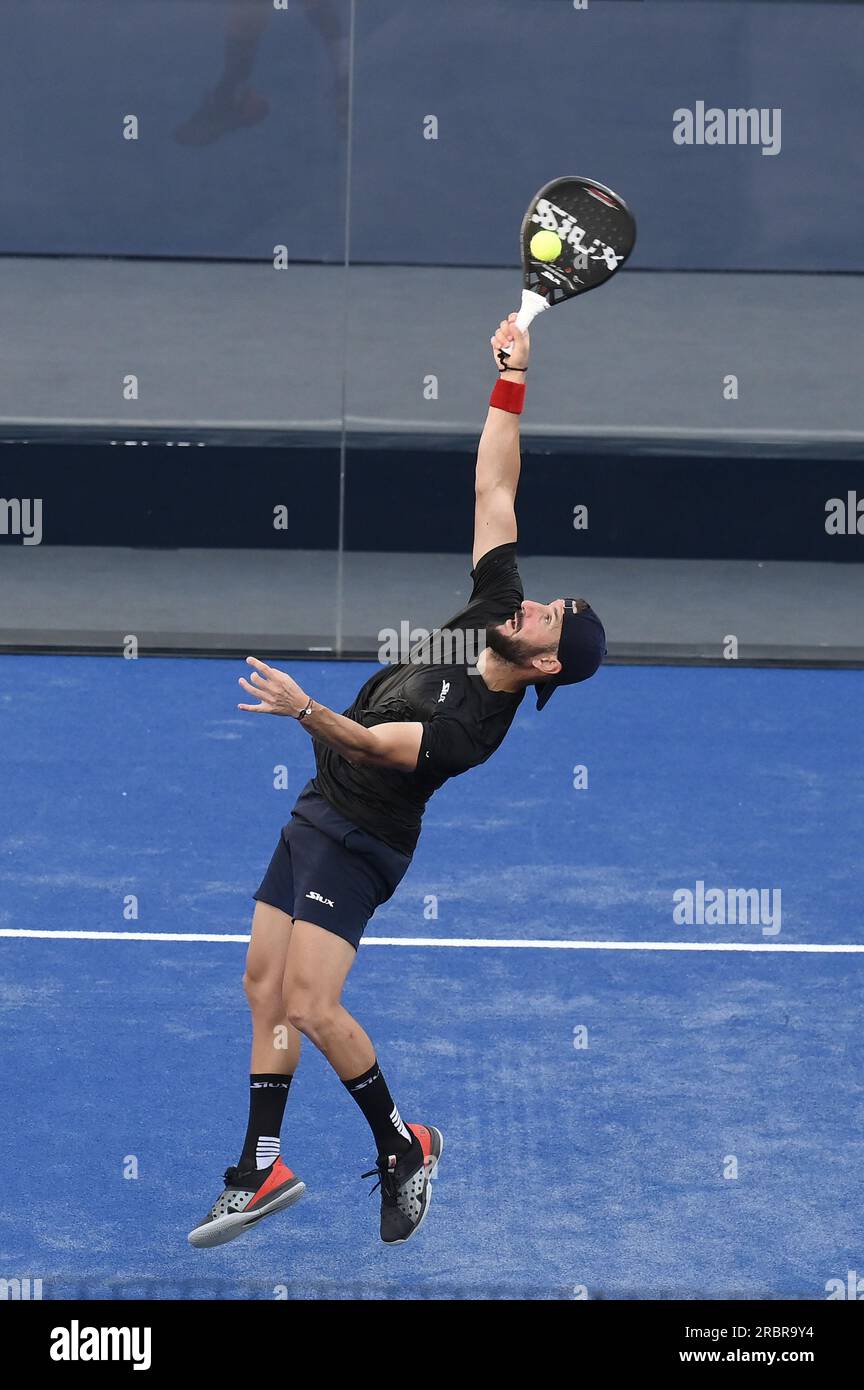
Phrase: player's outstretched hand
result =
(277, 692)
(509, 336)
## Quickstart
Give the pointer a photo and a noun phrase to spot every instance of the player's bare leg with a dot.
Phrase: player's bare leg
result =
(275, 1042)
(316, 969)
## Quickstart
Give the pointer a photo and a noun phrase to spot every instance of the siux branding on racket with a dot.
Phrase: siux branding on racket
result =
(575, 235)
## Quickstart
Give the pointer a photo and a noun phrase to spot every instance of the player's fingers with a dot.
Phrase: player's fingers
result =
(259, 679)
(253, 690)
(511, 318)
(259, 665)
(254, 709)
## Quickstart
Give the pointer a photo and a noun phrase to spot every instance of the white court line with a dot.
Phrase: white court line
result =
(489, 943)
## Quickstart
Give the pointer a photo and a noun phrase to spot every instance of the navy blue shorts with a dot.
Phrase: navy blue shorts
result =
(328, 871)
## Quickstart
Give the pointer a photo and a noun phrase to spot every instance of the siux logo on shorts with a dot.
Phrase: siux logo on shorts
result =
(316, 897)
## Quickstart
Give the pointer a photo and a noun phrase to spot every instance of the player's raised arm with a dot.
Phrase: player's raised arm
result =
(498, 461)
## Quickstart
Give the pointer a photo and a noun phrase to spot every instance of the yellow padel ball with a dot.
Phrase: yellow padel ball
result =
(546, 246)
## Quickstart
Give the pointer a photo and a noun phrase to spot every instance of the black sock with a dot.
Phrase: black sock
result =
(370, 1091)
(268, 1093)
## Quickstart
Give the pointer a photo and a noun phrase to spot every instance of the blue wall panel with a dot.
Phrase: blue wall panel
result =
(521, 92)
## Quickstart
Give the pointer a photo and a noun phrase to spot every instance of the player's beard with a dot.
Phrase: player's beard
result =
(513, 650)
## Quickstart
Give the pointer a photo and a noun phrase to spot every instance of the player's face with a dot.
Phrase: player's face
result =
(537, 625)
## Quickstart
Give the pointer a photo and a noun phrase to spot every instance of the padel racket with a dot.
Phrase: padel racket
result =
(597, 232)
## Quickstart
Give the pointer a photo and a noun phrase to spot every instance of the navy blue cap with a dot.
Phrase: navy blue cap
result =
(581, 648)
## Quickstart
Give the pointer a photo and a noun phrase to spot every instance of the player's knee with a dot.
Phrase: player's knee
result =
(305, 1010)
(264, 993)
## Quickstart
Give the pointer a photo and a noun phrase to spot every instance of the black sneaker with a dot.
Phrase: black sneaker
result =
(406, 1193)
(248, 1195)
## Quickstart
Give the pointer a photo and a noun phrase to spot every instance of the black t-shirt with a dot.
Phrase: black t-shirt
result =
(463, 720)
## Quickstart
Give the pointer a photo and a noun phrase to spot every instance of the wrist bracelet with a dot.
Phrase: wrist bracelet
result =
(303, 713)
(509, 396)
(512, 369)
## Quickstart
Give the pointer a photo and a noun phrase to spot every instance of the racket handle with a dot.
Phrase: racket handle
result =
(532, 305)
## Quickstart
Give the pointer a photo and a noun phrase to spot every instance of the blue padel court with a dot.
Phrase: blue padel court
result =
(635, 1104)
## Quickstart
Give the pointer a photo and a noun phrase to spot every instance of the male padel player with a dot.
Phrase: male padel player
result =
(355, 826)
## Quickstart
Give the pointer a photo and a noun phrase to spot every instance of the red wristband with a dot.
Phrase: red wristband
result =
(508, 395)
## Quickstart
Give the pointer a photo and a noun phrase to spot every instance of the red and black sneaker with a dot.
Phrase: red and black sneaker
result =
(406, 1193)
(249, 1194)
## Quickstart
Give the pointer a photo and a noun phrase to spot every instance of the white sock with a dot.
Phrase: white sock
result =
(266, 1150)
(398, 1123)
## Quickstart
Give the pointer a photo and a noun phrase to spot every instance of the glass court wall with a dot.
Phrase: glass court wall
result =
(253, 254)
